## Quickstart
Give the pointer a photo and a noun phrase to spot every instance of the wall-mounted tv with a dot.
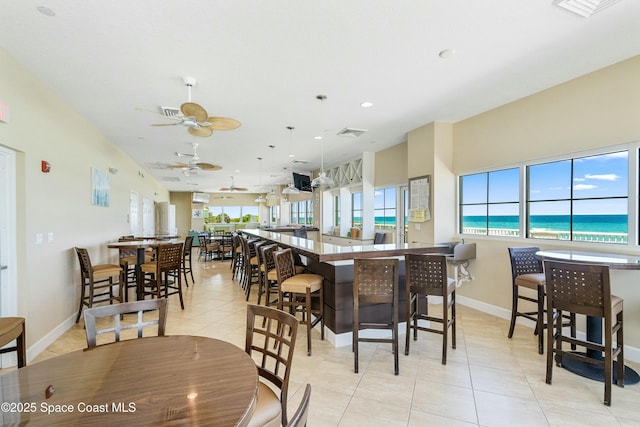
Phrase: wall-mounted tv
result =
(302, 182)
(200, 198)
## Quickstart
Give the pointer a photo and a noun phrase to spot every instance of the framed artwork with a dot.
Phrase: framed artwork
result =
(99, 188)
(420, 199)
(197, 213)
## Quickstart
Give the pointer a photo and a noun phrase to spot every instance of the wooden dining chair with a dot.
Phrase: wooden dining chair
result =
(299, 418)
(162, 277)
(96, 282)
(144, 318)
(187, 251)
(584, 289)
(13, 329)
(270, 341)
(375, 281)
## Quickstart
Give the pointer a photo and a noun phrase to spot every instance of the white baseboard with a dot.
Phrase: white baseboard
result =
(44, 342)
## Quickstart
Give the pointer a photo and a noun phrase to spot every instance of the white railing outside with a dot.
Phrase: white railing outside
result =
(578, 236)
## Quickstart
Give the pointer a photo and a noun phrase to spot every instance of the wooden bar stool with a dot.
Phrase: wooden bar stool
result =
(299, 290)
(13, 328)
(96, 282)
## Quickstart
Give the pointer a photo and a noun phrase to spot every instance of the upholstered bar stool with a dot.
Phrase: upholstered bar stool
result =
(96, 282)
(427, 276)
(585, 289)
(375, 281)
(296, 291)
(162, 277)
(13, 329)
(527, 272)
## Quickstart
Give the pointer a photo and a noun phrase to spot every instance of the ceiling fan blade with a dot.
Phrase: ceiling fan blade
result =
(195, 110)
(225, 189)
(179, 166)
(200, 131)
(208, 166)
(240, 189)
(223, 123)
(166, 124)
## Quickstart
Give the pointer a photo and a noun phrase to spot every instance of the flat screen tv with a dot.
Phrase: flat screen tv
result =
(302, 182)
(200, 198)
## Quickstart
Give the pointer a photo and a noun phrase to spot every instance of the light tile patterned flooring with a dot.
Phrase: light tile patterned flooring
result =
(489, 380)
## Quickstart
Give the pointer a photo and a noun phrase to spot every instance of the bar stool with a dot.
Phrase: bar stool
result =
(585, 289)
(168, 264)
(375, 281)
(96, 282)
(427, 276)
(527, 272)
(13, 329)
(300, 289)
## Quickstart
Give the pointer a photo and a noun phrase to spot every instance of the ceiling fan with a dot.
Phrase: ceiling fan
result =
(233, 187)
(195, 118)
(194, 163)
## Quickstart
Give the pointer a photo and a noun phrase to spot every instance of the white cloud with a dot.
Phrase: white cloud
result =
(579, 179)
(584, 187)
(604, 177)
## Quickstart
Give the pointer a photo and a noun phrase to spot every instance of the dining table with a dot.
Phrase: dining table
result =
(141, 245)
(161, 381)
(594, 324)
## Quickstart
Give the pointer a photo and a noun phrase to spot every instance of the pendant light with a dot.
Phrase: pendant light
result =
(272, 197)
(260, 199)
(322, 180)
(291, 189)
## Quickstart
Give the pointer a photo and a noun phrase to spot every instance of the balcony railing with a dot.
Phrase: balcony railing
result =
(578, 236)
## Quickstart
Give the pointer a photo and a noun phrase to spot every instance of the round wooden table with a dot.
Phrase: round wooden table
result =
(172, 380)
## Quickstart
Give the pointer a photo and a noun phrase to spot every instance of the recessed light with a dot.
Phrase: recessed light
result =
(447, 53)
(46, 11)
(317, 137)
(366, 104)
(237, 171)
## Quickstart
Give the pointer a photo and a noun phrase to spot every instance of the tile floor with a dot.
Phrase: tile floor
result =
(489, 380)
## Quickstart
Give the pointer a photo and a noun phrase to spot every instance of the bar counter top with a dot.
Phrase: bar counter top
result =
(324, 252)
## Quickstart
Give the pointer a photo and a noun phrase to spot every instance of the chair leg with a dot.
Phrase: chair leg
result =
(453, 319)
(307, 305)
(514, 310)
(540, 320)
(356, 325)
(408, 324)
(445, 327)
(550, 347)
(394, 336)
(21, 344)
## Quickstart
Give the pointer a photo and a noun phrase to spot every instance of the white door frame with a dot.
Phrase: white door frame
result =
(8, 242)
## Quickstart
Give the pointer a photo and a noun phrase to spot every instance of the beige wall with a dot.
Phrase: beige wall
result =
(42, 127)
(597, 110)
(391, 166)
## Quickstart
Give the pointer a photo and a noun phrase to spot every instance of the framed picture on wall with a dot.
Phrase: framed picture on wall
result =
(99, 188)
(420, 199)
(197, 213)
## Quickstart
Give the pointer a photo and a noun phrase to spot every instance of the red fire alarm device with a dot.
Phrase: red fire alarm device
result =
(46, 167)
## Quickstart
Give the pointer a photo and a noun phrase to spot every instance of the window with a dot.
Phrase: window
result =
(489, 203)
(275, 214)
(356, 209)
(302, 212)
(230, 214)
(581, 199)
(384, 207)
(336, 211)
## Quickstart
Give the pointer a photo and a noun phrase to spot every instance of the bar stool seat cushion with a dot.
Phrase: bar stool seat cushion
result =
(268, 410)
(273, 275)
(106, 270)
(300, 282)
(530, 280)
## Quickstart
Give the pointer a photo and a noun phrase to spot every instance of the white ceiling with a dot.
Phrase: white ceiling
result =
(264, 62)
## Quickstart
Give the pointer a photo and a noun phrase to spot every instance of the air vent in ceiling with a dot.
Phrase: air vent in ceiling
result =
(301, 161)
(351, 132)
(170, 178)
(171, 112)
(584, 8)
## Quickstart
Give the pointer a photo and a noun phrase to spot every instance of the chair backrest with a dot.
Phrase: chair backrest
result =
(578, 288)
(299, 419)
(202, 240)
(426, 274)
(188, 244)
(378, 238)
(116, 310)
(86, 270)
(284, 264)
(375, 280)
(300, 232)
(524, 261)
(270, 341)
(169, 257)
(267, 256)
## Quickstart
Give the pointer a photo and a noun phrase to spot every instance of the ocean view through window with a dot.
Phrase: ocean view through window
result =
(581, 199)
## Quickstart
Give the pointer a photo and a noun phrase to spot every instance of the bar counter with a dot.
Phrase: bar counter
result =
(335, 264)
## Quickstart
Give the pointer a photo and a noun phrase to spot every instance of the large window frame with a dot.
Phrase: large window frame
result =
(385, 210)
(614, 201)
(302, 212)
(357, 209)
